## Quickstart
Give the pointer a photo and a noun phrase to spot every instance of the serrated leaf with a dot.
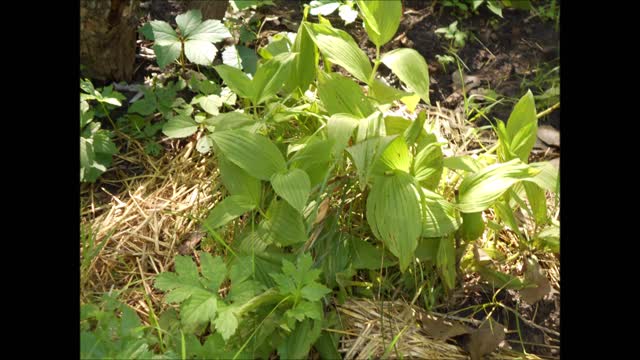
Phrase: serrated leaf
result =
(340, 129)
(199, 310)
(411, 69)
(211, 104)
(393, 212)
(213, 268)
(189, 21)
(229, 209)
(340, 48)
(204, 144)
(254, 153)
(231, 57)
(342, 95)
(212, 31)
(200, 51)
(314, 292)
(270, 77)
(163, 31)
(179, 127)
(236, 80)
(226, 324)
(144, 107)
(381, 19)
(293, 186)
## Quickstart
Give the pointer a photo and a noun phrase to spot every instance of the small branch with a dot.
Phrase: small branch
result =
(549, 110)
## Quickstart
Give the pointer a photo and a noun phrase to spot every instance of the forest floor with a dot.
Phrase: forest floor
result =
(136, 207)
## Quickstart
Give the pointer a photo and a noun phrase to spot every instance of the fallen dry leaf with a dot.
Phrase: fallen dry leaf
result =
(439, 328)
(485, 339)
(533, 274)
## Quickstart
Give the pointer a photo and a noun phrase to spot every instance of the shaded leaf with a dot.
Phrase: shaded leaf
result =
(293, 186)
(228, 209)
(342, 95)
(180, 126)
(254, 153)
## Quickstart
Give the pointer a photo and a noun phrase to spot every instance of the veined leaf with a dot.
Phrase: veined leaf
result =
(464, 163)
(381, 19)
(226, 323)
(548, 178)
(237, 181)
(163, 31)
(166, 52)
(231, 57)
(340, 48)
(371, 127)
(411, 69)
(285, 225)
(439, 216)
(365, 153)
(228, 209)
(537, 201)
(340, 94)
(200, 51)
(270, 77)
(293, 186)
(428, 166)
(180, 126)
(472, 226)
(446, 261)
(189, 21)
(212, 31)
(522, 127)
(314, 158)
(237, 81)
(304, 67)
(395, 157)
(479, 190)
(393, 212)
(340, 129)
(366, 256)
(254, 153)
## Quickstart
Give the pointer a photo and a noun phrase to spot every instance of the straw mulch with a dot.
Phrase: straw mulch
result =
(144, 208)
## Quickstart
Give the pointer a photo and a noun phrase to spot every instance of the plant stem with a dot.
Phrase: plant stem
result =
(376, 63)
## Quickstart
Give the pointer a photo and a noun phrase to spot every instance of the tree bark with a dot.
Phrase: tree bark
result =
(108, 33)
(211, 9)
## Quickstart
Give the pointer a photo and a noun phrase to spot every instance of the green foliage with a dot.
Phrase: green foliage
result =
(96, 147)
(195, 39)
(458, 37)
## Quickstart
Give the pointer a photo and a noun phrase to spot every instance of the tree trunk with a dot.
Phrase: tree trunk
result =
(211, 9)
(108, 33)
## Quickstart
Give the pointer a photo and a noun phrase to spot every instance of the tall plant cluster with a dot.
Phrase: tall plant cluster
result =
(303, 138)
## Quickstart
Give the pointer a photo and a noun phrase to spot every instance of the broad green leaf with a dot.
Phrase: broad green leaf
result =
(323, 8)
(427, 249)
(237, 181)
(394, 214)
(189, 21)
(340, 48)
(285, 225)
(144, 107)
(249, 59)
(446, 261)
(304, 67)
(439, 216)
(228, 209)
(548, 177)
(278, 44)
(231, 57)
(340, 129)
(495, 7)
(212, 31)
(479, 190)
(413, 133)
(549, 238)
(102, 144)
(163, 31)
(464, 163)
(270, 77)
(522, 127)
(340, 94)
(365, 154)
(366, 256)
(226, 323)
(498, 279)
(381, 19)
(86, 152)
(293, 186)
(180, 126)
(254, 153)
(385, 94)
(166, 52)
(236, 80)
(298, 344)
(428, 166)
(371, 127)
(200, 52)
(411, 69)
(395, 157)
(230, 121)
(314, 158)
(472, 226)
(537, 201)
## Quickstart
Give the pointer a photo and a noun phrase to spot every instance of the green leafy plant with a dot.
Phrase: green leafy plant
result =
(466, 7)
(456, 36)
(195, 39)
(96, 146)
